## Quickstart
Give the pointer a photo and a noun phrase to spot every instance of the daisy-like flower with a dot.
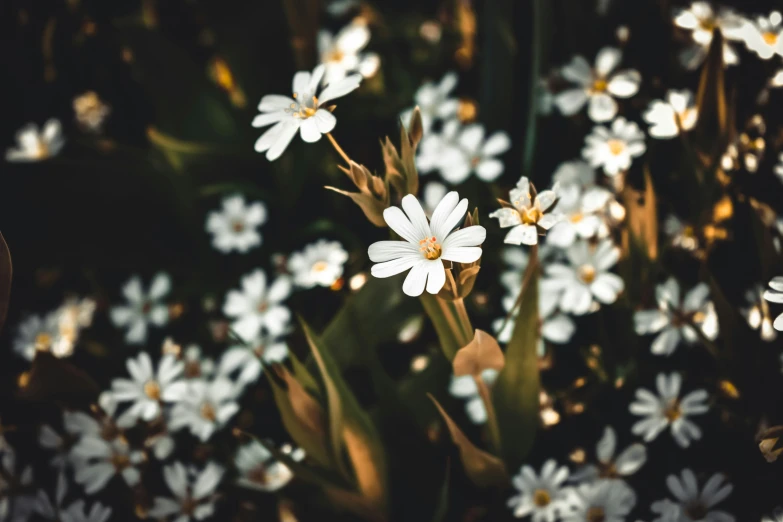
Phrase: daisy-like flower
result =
(234, 226)
(757, 313)
(541, 496)
(320, 263)
(259, 470)
(472, 152)
(764, 36)
(598, 85)
(427, 243)
(603, 500)
(76, 512)
(37, 146)
(694, 505)
(583, 219)
(305, 112)
(251, 358)
(97, 460)
(527, 213)
(90, 111)
(625, 464)
(677, 319)
(35, 334)
(668, 410)
(614, 149)
(197, 366)
(586, 278)
(775, 295)
(256, 307)
(434, 102)
(465, 387)
(341, 53)
(204, 407)
(147, 388)
(668, 118)
(701, 20)
(194, 493)
(143, 308)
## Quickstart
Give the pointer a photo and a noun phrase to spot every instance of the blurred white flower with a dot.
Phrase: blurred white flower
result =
(545, 98)
(50, 439)
(259, 470)
(598, 85)
(432, 193)
(701, 20)
(776, 296)
(320, 263)
(194, 494)
(251, 358)
(471, 152)
(72, 317)
(90, 111)
(691, 505)
(668, 118)
(204, 407)
(80, 424)
(625, 464)
(676, 318)
(36, 333)
(764, 35)
(341, 54)
(465, 388)
(542, 496)
(143, 308)
(16, 505)
(37, 146)
(257, 308)
(682, 235)
(197, 365)
(77, 512)
(434, 102)
(96, 461)
(427, 244)
(614, 149)
(57, 332)
(234, 226)
(668, 410)
(43, 503)
(585, 219)
(779, 167)
(607, 500)
(757, 314)
(777, 516)
(305, 112)
(527, 213)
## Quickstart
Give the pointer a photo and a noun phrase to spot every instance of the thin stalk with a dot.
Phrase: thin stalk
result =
(339, 149)
(528, 273)
(492, 420)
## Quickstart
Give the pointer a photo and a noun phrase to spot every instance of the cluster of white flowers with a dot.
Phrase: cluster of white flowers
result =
(56, 332)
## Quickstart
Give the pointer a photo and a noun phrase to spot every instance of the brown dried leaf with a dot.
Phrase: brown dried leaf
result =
(371, 207)
(482, 353)
(415, 128)
(307, 410)
(643, 215)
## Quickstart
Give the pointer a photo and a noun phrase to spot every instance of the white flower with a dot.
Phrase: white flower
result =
(779, 167)
(73, 316)
(701, 20)
(194, 493)
(682, 235)
(197, 366)
(305, 112)
(434, 102)
(320, 263)
(586, 278)
(147, 388)
(143, 308)
(234, 227)
(776, 296)
(777, 516)
(342, 54)
(598, 85)
(573, 178)
(433, 192)
(36, 333)
(605, 500)
(465, 387)
(427, 244)
(471, 153)
(582, 220)
(692, 505)
(626, 463)
(259, 470)
(37, 146)
(80, 424)
(257, 307)
(676, 318)
(614, 149)
(526, 213)
(77, 512)
(250, 358)
(542, 497)
(96, 461)
(757, 313)
(204, 407)
(668, 118)
(668, 410)
(764, 36)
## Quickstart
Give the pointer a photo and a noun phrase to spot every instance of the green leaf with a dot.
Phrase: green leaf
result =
(6, 275)
(712, 129)
(449, 323)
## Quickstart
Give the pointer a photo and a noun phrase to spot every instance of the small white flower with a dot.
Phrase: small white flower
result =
(668, 118)
(37, 146)
(573, 178)
(764, 36)
(676, 318)
(776, 296)
(341, 54)
(147, 388)
(777, 516)
(605, 500)
(305, 112)
(471, 153)
(77, 512)
(586, 278)
(320, 263)
(598, 85)
(692, 505)
(80, 424)
(34, 334)
(72, 317)
(541, 496)
(256, 307)
(682, 235)
(527, 212)
(614, 149)
(757, 313)
(194, 493)
(625, 464)
(434, 102)
(259, 470)
(251, 358)
(701, 20)
(582, 220)
(465, 387)
(234, 226)
(204, 407)
(143, 308)
(96, 461)
(668, 410)
(427, 244)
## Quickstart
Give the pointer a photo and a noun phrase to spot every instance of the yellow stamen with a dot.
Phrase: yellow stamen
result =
(430, 248)
(599, 85)
(208, 412)
(541, 498)
(616, 147)
(532, 215)
(673, 411)
(587, 273)
(152, 390)
(320, 266)
(770, 38)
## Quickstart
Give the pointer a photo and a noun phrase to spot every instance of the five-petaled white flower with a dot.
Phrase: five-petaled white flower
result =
(434, 102)
(776, 296)
(598, 85)
(256, 307)
(234, 226)
(542, 496)
(668, 118)
(320, 263)
(468, 150)
(626, 463)
(527, 213)
(764, 36)
(668, 410)
(251, 358)
(37, 146)
(465, 387)
(581, 204)
(427, 244)
(97, 460)
(614, 149)
(691, 505)
(143, 308)
(701, 20)
(204, 407)
(677, 319)
(757, 313)
(259, 470)
(341, 53)
(305, 112)
(194, 493)
(605, 500)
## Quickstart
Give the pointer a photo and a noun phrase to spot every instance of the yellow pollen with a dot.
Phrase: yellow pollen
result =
(303, 111)
(576, 218)
(531, 216)
(586, 273)
(599, 85)
(335, 56)
(43, 342)
(595, 514)
(41, 150)
(320, 266)
(770, 38)
(208, 412)
(673, 411)
(541, 498)
(616, 147)
(152, 390)
(430, 248)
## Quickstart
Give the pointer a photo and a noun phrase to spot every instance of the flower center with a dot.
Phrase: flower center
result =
(616, 147)
(474, 161)
(258, 475)
(303, 110)
(541, 498)
(319, 266)
(146, 307)
(532, 215)
(608, 470)
(262, 307)
(770, 38)
(430, 247)
(335, 56)
(599, 85)
(120, 461)
(673, 412)
(259, 350)
(192, 369)
(586, 273)
(688, 231)
(208, 412)
(43, 342)
(576, 218)
(41, 150)
(595, 514)
(238, 226)
(696, 511)
(707, 24)
(152, 390)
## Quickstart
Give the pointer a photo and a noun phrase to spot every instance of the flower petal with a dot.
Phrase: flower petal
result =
(395, 266)
(417, 279)
(467, 237)
(382, 251)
